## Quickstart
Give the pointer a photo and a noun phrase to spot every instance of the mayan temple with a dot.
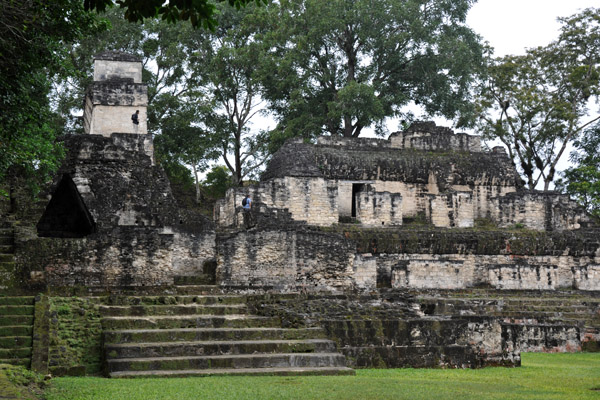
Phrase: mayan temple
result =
(419, 250)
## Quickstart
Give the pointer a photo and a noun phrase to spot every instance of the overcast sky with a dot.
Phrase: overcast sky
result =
(511, 26)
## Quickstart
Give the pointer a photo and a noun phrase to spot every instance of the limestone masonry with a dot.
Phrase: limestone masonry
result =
(420, 250)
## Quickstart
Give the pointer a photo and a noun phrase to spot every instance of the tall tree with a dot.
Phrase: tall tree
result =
(583, 180)
(339, 66)
(228, 60)
(34, 44)
(536, 104)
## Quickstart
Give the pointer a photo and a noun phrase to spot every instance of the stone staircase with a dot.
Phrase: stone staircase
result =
(7, 260)
(200, 331)
(541, 320)
(16, 328)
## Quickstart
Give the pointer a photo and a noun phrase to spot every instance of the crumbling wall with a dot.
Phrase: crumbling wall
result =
(386, 331)
(310, 200)
(540, 211)
(285, 260)
(451, 209)
(140, 237)
(128, 257)
(378, 208)
(428, 136)
(458, 271)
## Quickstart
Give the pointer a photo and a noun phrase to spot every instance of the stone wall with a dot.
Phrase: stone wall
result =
(454, 271)
(385, 331)
(449, 210)
(138, 236)
(452, 259)
(378, 208)
(109, 106)
(111, 65)
(285, 260)
(127, 257)
(116, 93)
(540, 211)
(428, 136)
(310, 200)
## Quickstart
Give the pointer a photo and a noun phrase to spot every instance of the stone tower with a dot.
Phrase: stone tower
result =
(116, 93)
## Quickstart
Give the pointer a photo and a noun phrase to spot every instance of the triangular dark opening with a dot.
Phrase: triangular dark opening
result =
(66, 215)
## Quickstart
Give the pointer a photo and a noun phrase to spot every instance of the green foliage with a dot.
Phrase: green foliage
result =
(75, 333)
(542, 376)
(20, 383)
(198, 12)
(536, 104)
(339, 66)
(217, 181)
(34, 50)
(229, 60)
(583, 180)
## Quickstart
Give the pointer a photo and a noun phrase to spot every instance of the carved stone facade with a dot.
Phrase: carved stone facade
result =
(421, 182)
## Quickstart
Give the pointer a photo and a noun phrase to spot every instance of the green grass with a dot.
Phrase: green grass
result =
(542, 376)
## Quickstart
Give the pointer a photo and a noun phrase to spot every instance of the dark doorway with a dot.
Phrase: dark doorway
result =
(66, 215)
(356, 188)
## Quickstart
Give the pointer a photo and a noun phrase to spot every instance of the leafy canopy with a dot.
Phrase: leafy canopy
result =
(537, 103)
(583, 180)
(339, 66)
(35, 36)
(198, 12)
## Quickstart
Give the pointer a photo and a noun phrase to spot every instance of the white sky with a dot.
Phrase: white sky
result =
(511, 26)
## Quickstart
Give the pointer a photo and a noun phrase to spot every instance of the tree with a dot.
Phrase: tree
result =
(536, 104)
(184, 141)
(35, 37)
(217, 181)
(198, 12)
(342, 65)
(583, 180)
(228, 60)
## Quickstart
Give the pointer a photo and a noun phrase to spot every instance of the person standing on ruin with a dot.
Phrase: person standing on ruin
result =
(247, 207)
(135, 118)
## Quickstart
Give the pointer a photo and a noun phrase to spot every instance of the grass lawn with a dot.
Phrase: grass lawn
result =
(542, 376)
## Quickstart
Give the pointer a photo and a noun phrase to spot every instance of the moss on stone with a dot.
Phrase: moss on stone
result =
(75, 334)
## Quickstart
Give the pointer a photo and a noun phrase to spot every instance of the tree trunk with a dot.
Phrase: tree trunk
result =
(197, 183)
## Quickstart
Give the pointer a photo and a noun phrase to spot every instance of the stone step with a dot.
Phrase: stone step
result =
(198, 289)
(16, 310)
(14, 320)
(228, 361)
(7, 249)
(181, 299)
(19, 352)
(576, 322)
(7, 266)
(15, 331)
(539, 315)
(7, 258)
(206, 348)
(6, 231)
(25, 362)
(6, 240)
(11, 342)
(508, 303)
(202, 334)
(200, 279)
(178, 309)
(197, 321)
(289, 371)
(17, 300)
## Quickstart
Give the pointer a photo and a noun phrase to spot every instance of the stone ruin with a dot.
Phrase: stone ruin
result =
(421, 250)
